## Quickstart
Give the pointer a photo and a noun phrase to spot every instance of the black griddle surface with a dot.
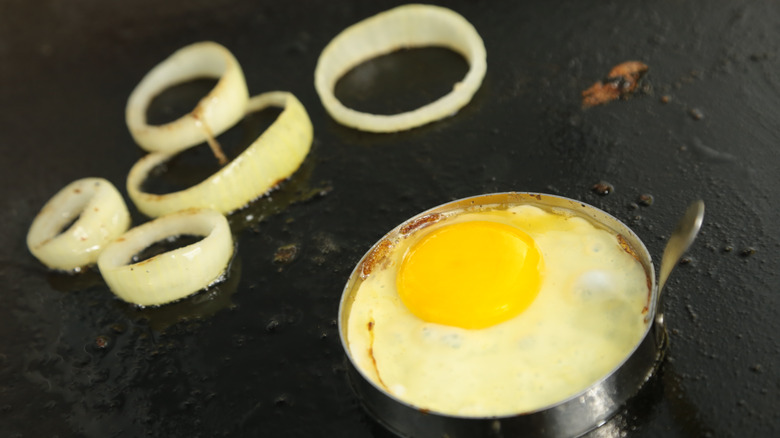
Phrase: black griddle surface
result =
(260, 354)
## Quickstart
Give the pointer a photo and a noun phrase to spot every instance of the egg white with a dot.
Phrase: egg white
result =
(587, 318)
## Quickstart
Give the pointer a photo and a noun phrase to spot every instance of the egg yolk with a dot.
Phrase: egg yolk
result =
(470, 274)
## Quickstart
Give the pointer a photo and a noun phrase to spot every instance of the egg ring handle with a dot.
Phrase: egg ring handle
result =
(100, 215)
(402, 27)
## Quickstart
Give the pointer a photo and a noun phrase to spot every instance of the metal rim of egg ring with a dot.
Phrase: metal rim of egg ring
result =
(275, 155)
(573, 416)
(98, 213)
(174, 274)
(216, 112)
(406, 26)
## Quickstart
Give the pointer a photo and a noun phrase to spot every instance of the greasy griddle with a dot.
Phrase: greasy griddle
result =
(259, 354)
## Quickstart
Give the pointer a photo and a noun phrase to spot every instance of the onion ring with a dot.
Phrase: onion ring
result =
(274, 156)
(100, 216)
(220, 109)
(174, 274)
(401, 27)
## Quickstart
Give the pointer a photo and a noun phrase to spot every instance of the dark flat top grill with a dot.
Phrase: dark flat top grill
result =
(260, 355)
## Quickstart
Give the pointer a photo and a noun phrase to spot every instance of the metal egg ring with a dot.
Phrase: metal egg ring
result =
(572, 416)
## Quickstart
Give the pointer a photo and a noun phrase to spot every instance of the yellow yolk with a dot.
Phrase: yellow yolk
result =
(470, 275)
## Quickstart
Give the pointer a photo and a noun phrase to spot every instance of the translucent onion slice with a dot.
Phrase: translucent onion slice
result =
(215, 113)
(98, 215)
(273, 157)
(402, 27)
(174, 274)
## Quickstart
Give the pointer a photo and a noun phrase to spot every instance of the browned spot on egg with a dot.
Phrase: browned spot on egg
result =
(621, 81)
(371, 351)
(420, 223)
(376, 256)
(373, 360)
(649, 284)
(625, 246)
(76, 190)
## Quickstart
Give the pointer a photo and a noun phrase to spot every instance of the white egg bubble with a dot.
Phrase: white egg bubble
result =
(594, 285)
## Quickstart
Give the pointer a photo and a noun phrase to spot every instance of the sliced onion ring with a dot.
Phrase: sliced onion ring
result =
(174, 274)
(401, 27)
(100, 216)
(273, 157)
(215, 113)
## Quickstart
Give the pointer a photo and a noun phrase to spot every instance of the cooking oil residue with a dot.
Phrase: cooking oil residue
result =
(192, 309)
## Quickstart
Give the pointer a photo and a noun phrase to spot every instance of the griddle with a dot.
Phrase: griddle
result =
(259, 355)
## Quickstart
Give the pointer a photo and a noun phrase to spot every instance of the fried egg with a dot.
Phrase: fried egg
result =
(496, 311)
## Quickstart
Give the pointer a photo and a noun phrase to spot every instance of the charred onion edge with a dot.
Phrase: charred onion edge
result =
(174, 274)
(406, 26)
(274, 156)
(216, 112)
(100, 216)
